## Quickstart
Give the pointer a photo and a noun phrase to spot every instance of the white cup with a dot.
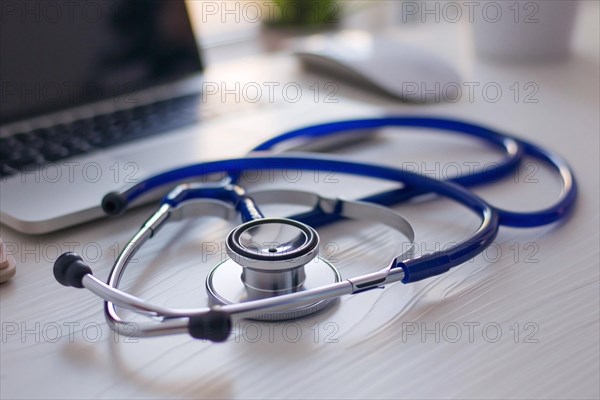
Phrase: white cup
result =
(523, 30)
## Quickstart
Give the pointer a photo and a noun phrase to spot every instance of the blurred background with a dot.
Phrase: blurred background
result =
(264, 25)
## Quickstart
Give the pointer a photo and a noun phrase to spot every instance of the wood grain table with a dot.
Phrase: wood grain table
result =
(519, 321)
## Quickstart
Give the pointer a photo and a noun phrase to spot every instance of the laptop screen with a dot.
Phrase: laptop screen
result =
(62, 53)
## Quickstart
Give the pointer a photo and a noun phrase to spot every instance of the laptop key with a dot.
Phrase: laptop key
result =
(25, 157)
(76, 146)
(45, 133)
(54, 152)
(30, 139)
(6, 170)
(5, 151)
(93, 138)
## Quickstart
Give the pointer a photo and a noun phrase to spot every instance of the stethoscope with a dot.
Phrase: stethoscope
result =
(274, 271)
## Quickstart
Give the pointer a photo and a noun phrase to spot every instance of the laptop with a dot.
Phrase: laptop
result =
(80, 82)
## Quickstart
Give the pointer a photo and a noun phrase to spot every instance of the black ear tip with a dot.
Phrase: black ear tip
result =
(69, 270)
(114, 203)
(214, 326)
(61, 265)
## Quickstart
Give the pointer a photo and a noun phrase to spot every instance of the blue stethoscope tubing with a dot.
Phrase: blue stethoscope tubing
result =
(414, 269)
(514, 150)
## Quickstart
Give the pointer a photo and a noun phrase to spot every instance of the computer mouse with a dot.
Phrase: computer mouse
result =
(385, 65)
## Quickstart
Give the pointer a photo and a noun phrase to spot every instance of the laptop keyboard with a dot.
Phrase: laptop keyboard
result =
(33, 148)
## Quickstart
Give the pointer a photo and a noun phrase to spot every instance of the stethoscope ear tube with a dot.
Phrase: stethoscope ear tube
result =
(114, 203)
(214, 325)
(70, 269)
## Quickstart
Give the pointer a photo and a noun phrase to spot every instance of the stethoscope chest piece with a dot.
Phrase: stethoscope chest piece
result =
(271, 257)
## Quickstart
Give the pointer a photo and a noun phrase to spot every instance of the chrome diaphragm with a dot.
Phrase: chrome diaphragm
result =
(270, 257)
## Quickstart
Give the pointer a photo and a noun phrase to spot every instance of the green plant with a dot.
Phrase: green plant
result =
(304, 13)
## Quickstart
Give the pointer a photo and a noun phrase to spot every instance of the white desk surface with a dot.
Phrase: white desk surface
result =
(532, 301)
